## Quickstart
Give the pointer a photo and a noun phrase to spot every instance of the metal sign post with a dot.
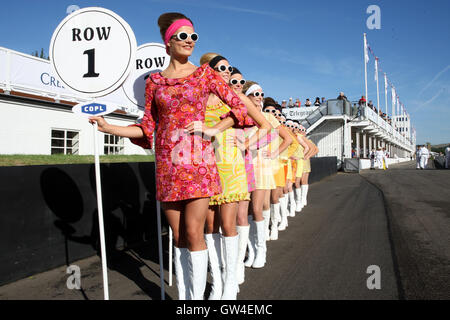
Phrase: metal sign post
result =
(92, 52)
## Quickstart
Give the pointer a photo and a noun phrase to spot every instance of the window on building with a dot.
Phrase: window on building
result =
(113, 144)
(64, 141)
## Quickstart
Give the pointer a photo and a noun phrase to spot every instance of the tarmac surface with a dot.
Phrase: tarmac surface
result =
(397, 220)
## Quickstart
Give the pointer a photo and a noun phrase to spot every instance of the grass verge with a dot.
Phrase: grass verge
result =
(31, 160)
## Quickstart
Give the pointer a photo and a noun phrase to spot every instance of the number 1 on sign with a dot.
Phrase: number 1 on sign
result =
(91, 64)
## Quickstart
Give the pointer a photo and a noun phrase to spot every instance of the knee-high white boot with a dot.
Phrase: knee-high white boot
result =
(250, 244)
(215, 261)
(243, 232)
(231, 251)
(284, 214)
(298, 202)
(266, 216)
(292, 204)
(304, 194)
(198, 273)
(274, 214)
(181, 262)
(261, 248)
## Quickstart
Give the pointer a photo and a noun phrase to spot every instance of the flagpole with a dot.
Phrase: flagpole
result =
(385, 94)
(378, 91)
(365, 66)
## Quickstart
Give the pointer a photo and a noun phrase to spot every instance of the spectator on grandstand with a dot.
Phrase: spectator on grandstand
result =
(297, 102)
(362, 101)
(283, 104)
(342, 96)
(291, 103)
(307, 103)
(323, 100)
(317, 102)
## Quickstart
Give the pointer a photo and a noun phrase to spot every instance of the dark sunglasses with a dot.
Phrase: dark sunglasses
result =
(184, 35)
(223, 68)
(236, 81)
(257, 94)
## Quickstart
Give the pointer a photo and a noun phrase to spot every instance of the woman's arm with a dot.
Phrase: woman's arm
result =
(127, 132)
(287, 140)
(303, 144)
(312, 150)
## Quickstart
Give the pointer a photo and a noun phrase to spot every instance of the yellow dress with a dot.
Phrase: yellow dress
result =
(284, 171)
(307, 163)
(300, 154)
(262, 165)
(229, 160)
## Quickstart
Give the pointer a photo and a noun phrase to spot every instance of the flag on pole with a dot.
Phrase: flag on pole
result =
(398, 106)
(385, 93)
(366, 54)
(376, 69)
(393, 101)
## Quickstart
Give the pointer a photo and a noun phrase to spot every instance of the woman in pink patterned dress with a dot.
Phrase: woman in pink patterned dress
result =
(186, 172)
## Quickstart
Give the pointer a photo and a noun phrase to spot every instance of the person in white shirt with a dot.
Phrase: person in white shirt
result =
(424, 155)
(418, 158)
(379, 158)
(447, 157)
(385, 156)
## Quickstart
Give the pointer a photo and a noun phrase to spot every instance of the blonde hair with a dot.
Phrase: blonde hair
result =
(247, 85)
(207, 57)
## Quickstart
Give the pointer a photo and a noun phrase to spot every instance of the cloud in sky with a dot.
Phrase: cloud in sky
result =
(434, 79)
(271, 14)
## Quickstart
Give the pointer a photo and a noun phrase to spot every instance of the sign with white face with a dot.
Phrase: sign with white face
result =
(150, 58)
(89, 109)
(298, 113)
(92, 51)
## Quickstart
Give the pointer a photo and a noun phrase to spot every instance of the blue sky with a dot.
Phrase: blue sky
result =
(293, 48)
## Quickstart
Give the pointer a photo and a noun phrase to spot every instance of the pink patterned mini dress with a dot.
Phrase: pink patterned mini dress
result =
(185, 163)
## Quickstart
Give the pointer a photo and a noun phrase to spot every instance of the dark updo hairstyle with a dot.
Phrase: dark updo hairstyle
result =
(269, 102)
(166, 19)
(236, 71)
(279, 108)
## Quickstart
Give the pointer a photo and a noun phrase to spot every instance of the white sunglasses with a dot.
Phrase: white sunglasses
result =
(184, 35)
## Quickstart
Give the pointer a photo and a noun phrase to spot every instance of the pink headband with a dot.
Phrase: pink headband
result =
(174, 27)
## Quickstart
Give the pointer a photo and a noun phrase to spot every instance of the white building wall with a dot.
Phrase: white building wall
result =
(329, 138)
(26, 129)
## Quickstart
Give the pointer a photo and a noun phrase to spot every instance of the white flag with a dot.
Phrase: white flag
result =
(393, 101)
(366, 54)
(376, 69)
(385, 93)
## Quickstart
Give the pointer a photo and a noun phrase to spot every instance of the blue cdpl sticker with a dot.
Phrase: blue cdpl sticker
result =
(93, 108)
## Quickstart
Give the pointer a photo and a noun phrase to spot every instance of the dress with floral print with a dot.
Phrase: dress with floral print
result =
(185, 163)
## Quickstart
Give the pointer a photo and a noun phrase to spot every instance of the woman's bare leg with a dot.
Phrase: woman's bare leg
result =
(242, 216)
(212, 220)
(258, 198)
(228, 214)
(194, 220)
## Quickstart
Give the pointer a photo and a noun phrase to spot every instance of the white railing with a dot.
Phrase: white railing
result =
(388, 129)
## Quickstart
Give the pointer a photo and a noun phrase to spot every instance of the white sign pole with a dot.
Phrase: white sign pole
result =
(150, 58)
(161, 264)
(170, 255)
(100, 214)
(92, 51)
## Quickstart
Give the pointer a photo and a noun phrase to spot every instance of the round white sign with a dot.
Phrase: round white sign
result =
(150, 58)
(92, 51)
